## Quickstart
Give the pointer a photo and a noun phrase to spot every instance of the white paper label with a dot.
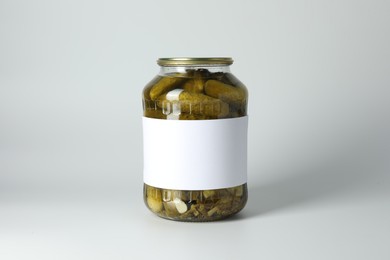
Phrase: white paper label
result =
(195, 154)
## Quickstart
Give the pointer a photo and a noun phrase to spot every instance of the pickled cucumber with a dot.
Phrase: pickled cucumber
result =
(187, 116)
(225, 92)
(196, 84)
(195, 205)
(164, 85)
(199, 104)
(153, 199)
(203, 96)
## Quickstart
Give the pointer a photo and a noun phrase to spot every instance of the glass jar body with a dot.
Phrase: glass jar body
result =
(187, 93)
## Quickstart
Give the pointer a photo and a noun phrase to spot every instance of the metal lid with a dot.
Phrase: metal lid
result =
(166, 62)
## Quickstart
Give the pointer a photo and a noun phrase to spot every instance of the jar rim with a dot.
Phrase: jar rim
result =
(190, 61)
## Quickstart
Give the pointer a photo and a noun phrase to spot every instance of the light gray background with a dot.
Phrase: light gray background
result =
(71, 76)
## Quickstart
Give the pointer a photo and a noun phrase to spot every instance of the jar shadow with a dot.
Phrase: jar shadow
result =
(326, 180)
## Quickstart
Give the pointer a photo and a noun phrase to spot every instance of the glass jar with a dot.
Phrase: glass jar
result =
(195, 140)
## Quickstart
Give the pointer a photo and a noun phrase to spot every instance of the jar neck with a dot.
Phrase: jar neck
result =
(183, 69)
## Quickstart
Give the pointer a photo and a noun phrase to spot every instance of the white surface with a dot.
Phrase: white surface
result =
(195, 154)
(71, 75)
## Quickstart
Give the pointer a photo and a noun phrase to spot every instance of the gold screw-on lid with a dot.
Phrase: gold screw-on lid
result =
(166, 62)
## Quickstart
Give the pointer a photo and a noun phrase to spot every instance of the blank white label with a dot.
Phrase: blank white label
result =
(195, 154)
